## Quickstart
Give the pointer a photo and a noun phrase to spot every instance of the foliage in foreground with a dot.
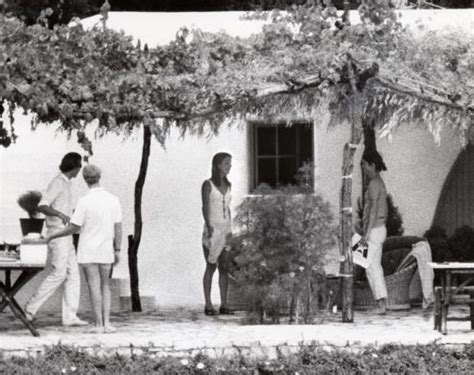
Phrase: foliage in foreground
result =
(310, 359)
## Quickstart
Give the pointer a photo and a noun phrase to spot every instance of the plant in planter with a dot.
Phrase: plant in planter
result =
(280, 251)
(29, 202)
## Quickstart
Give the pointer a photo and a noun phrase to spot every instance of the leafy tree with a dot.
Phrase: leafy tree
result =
(59, 12)
(372, 72)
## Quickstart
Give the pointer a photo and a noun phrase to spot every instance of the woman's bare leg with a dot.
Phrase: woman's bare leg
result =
(207, 284)
(93, 280)
(105, 289)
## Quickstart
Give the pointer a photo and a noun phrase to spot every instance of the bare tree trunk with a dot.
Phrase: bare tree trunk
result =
(134, 241)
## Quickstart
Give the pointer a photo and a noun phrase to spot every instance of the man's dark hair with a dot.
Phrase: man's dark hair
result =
(373, 157)
(71, 160)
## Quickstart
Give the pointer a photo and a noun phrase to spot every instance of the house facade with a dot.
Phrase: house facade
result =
(170, 259)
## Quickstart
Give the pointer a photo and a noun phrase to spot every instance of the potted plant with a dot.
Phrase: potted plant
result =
(284, 235)
(29, 202)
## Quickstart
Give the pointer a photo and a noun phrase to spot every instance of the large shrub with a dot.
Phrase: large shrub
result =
(280, 251)
(459, 247)
(394, 219)
(461, 244)
(438, 240)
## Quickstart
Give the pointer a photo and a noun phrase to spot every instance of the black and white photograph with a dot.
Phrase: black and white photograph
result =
(236, 187)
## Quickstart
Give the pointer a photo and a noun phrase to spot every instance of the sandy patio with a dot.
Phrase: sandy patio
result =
(184, 331)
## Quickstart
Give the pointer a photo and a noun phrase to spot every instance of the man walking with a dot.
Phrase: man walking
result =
(62, 269)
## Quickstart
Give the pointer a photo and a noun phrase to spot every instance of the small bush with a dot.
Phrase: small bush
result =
(438, 240)
(457, 248)
(280, 251)
(461, 244)
(394, 219)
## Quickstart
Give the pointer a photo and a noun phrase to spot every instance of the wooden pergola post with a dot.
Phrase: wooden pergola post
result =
(347, 267)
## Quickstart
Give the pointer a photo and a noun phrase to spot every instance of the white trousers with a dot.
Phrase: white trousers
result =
(61, 270)
(374, 271)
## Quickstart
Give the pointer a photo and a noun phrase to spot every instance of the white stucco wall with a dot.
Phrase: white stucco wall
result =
(170, 259)
(417, 169)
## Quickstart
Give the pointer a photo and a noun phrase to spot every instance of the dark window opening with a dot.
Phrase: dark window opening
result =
(280, 151)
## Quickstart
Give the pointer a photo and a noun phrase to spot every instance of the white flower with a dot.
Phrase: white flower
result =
(292, 274)
(73, 368)
(200, 366)
(375, 355)
(184, 362)
(267, 363)
(301, 268)
(63, 370)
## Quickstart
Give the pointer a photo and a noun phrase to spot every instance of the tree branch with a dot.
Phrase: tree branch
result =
(410, 91)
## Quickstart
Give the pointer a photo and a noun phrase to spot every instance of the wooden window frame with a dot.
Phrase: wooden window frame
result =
(254, 125)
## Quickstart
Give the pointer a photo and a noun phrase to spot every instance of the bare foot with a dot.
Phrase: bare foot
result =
(97, 329)
(109, 329)
(380, 310)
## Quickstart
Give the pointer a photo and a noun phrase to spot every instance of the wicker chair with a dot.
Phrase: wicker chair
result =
(395, 251)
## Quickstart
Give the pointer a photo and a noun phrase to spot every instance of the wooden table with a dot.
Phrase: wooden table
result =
(446, 294)
(8, 291)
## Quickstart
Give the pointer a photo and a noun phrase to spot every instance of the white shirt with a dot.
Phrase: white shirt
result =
(96, 213)
(58, 195)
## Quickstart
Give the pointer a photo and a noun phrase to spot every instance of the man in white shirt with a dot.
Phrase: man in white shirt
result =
(98, 218)
(62, 269)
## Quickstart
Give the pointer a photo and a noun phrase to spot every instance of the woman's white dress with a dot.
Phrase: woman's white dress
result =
(219, 218)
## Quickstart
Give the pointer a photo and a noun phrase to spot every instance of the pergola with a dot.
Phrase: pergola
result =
(369, 72)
